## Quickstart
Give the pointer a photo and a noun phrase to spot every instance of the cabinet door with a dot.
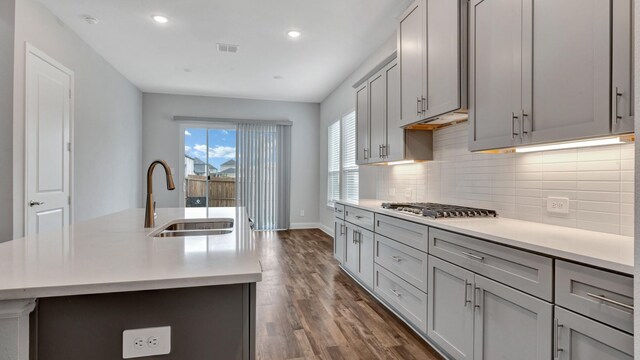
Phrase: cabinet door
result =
(377, 114)
(362, 125)
(499, 311)
(450, 308)
(443, 57)
(352, 250)
(366, 242)
(495, 85)
(394, 150)
(566, 72)
(622, 92)
(580, 338)
(339, 241)
(411, 48)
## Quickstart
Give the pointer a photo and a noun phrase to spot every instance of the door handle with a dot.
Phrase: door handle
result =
(557, 349)
(35, 203)
(616, 117)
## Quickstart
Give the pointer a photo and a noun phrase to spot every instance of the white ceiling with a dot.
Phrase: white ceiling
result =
(337, 36)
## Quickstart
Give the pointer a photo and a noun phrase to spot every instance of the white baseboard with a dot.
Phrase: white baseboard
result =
(327, 230)
(294, 226)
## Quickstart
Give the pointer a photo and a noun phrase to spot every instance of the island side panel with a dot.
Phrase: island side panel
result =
(14, 329)
(206, 323)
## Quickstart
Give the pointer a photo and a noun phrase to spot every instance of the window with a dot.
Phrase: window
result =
(333, 160)
(350, 178)
(343, 176)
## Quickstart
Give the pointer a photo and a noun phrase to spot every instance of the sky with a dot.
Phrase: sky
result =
(222, 145)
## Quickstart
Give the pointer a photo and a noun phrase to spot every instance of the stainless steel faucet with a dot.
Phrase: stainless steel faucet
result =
(150, 209)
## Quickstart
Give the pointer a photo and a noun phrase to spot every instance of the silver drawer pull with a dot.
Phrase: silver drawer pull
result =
(397, 258)
(557, 349)
(396, 293)
(610, 301)
(338, 211)
(473, 256)
(359, 217)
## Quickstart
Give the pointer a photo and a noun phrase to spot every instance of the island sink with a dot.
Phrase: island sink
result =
(195, 228)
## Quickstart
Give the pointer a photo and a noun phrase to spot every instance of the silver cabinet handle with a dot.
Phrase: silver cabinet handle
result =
(35, 203)
(466, 298)
(514, 118)
(338, 210)
(522, 127)
(380, 151)
(342, 229)
(396, 293)
(616, 117)
(418, 107)
(424, 105)
(473, 256)
(557, 349)
(366, 154)
(385, 150)
(611, 301)
(359, 217)
(353, 237)
(476, 305)
(397, 258)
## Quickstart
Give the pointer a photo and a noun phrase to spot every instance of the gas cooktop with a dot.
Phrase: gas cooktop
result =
(439, 210)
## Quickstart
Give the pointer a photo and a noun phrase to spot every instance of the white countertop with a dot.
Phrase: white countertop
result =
(608, 251)
(114, 253)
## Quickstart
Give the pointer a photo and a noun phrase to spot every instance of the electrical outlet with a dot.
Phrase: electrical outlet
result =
(302, 213)
(138, 343)
(558, 205)
(408, 193)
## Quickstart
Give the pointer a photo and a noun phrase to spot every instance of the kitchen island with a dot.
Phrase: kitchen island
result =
(115, 255)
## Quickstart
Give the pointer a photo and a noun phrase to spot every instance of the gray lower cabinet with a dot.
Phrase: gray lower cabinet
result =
(359, 253)
(510, 324)
(450, 308)
(408, 301)
(580, 338)
(472, 317)
(339, 239)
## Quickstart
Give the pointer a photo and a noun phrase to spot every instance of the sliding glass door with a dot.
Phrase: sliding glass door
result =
(209, 177)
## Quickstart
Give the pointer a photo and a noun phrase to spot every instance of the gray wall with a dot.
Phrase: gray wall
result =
(162, 141)
(338, 103)
(7, 24)
(107, 121)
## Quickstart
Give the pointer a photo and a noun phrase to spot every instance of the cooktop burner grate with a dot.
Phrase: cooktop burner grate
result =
(440, 210)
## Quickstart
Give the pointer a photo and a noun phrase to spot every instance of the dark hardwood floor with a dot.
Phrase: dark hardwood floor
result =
(307, 308)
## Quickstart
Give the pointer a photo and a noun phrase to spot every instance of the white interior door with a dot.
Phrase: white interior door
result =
(48, 134)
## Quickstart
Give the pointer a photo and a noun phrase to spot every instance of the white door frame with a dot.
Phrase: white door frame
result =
(32, 50)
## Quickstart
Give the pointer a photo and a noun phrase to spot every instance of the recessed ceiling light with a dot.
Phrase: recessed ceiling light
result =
(294, 34)
(90, 19)
(160, 19)
(187, 70)
(277, 77)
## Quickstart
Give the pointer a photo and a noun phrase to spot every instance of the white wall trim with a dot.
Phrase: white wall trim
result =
(14, 328)
(295, 226)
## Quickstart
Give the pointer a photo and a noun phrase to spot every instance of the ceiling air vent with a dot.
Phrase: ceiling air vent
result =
(228, 48)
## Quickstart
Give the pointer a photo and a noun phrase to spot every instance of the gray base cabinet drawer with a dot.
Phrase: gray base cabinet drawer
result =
(522, 270)
(338, 211)
(406, 232)
(580, 338)
(408, 301)
(402, 260)
(600, 295)
(359, 217)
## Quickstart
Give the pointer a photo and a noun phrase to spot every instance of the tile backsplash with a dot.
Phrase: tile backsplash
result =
(598, 182)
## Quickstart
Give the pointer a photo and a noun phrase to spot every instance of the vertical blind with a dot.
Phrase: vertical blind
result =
(333, 177)
(350, 175)
(264, 174)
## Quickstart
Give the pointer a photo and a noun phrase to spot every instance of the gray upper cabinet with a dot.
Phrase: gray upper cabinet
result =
(394, 149)
(495, 82)
(580, 338)
(411, 51)
(622, 92)
(378, 115)
(362, 125)
(510, 324)
(566, 83)
(431, 48)
(530, 85)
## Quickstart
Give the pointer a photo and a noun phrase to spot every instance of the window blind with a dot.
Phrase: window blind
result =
(333, 178)
(350, 174)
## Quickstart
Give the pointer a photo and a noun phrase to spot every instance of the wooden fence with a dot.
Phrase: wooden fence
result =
(222, 191)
